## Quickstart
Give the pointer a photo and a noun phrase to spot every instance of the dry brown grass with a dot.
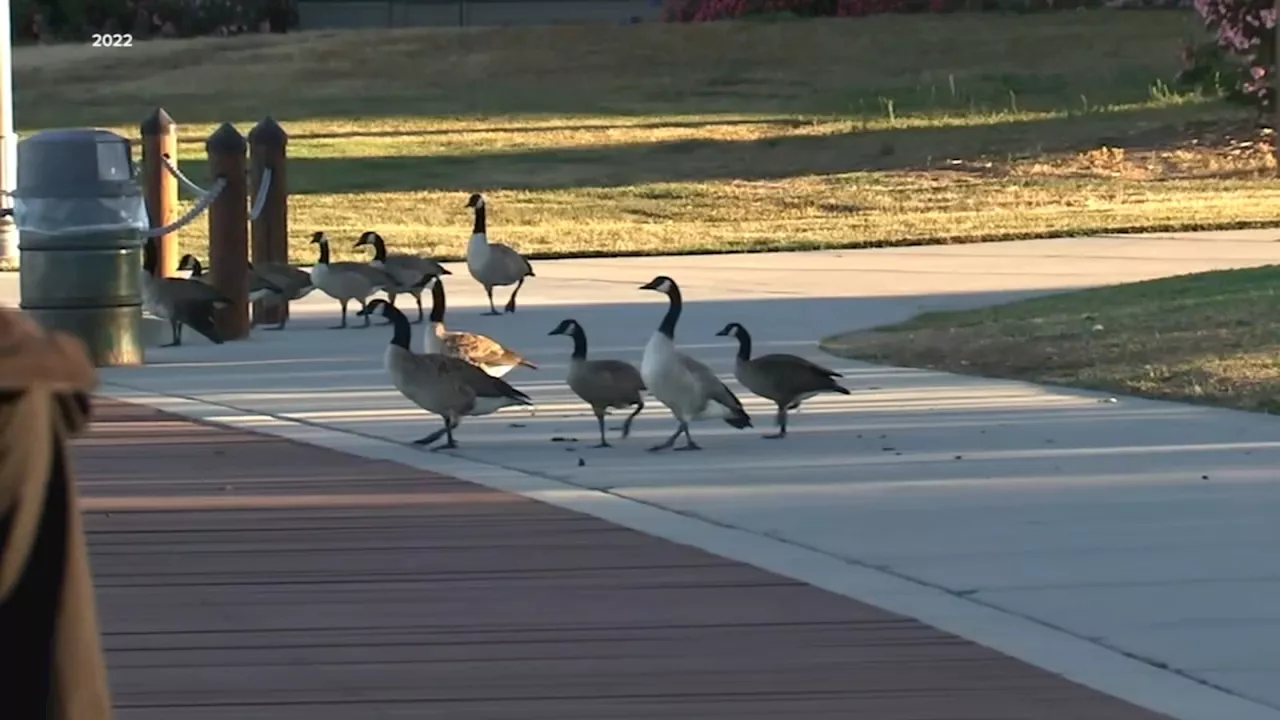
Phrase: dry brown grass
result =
(714, 137)
(1211, 338)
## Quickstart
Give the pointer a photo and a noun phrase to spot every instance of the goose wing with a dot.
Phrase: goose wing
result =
(478, 381)
(709, 385)
(373, 275)
(787, 363)
(182, 290)
(479, 349)
(283, 275)
(412, 269)
(622, 376)
(510, 260)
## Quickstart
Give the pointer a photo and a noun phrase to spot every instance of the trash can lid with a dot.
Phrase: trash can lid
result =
(75, 163)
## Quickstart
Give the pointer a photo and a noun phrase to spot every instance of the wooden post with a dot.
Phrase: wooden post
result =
(270, 231)
(229, 230)
(160, 187)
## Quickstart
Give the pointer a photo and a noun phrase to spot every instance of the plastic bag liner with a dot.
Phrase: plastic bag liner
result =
(60, 217)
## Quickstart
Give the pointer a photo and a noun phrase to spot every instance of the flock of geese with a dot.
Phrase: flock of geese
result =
(459, 374)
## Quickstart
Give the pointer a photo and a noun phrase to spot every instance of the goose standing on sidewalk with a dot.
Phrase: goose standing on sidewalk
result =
(786, 379)
(181, 301)
(412, 272)
(476, 349)
(346, 281)
(449, 387)
(604, 384)
(689, 389)
(493, 264)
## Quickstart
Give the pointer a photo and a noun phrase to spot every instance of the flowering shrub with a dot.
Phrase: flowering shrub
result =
(1245, 29)
(76, 19)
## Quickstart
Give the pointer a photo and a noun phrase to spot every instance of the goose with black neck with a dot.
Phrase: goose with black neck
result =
(783, 378)
(494, 264)
(446, 386)
(476, 349)
(688, 388)
(346, 281)
(603, 384)
(412, 272)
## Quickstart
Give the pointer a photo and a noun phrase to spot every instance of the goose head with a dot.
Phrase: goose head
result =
(476, 201)
(319, 238)
(732, 329)
(662, 284)
(368, 238)
(188, 262)
(566, 327)
(388, 310)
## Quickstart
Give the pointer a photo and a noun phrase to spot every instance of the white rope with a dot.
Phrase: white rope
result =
(194, 213)
(264, 187)
(191, 187)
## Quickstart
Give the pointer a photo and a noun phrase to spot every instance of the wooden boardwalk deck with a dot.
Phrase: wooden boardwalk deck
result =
(249, 578)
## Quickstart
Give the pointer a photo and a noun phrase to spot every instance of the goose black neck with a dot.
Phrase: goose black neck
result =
(437, 301)
(478, 229)
(579, 343)
(744, 344)
(400, 328)
(196, 269)
(668, 326)
(149, 257)
(324, 254)
(379, 249)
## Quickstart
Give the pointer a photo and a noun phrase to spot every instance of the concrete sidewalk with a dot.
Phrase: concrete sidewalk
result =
(1129, 546)
(248, 578)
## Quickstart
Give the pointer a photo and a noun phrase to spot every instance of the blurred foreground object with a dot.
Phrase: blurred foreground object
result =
(51, 660)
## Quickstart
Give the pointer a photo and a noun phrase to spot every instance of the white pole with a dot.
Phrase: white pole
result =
(8, 141)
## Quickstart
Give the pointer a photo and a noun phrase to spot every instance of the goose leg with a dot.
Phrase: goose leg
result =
(343, 324)
(511, 304)
(449, 444)
(626, 424)
(488, 290)
(364, 305)
(781, 420)
(174, 331)
(689, 444)
(669, 441)
(604, 443)
(433, 436)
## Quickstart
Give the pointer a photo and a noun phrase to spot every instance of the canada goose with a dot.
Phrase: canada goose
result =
(603, 384)
(346, 281)
(494, 264)
(259, 287)
(178, 300)
(410, 271)
(449, 387)
(476, 349)
(786, 379)
(293, 282)
(687, 387)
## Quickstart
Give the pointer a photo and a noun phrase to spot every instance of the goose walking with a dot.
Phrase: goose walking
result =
(687, 387)
(786, 379)
(603, 384)
(412, 272)
(181, 301)
(449, 387)
(494, 264)
(294, 284)
(259, 287)
(476, 349)
(346, 281)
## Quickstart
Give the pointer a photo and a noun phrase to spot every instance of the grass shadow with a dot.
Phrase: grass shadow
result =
(855, 150)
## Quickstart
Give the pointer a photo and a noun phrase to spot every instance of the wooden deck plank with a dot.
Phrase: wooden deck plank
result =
(471, 603)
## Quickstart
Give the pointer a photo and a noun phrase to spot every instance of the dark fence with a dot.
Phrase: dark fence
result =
(316, 14)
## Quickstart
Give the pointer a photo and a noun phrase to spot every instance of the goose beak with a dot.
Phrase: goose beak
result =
(360, 243)
(318, 238)
(445, 271)
(651, 285)
(724, 332)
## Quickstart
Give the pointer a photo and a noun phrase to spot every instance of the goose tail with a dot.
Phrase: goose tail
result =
(201, 320)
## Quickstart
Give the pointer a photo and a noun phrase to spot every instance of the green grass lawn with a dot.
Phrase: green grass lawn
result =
(701, 138)
(1210, 338)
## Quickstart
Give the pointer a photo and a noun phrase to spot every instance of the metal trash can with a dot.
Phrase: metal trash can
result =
(82, 217)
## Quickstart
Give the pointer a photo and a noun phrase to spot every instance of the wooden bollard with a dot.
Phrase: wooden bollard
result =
(229, 230)
(160, 187)
(270, 231)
